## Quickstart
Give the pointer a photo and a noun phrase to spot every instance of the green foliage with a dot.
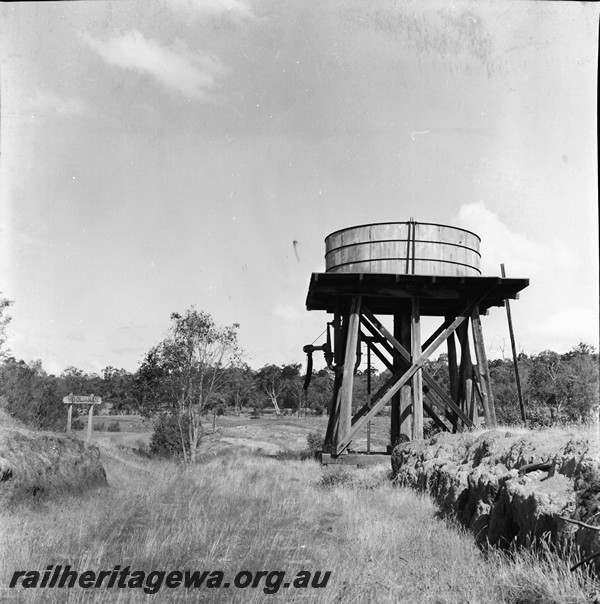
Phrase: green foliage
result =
(169, 432)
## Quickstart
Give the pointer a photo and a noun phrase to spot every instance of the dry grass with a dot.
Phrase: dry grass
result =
(44, 463)
(247, 512)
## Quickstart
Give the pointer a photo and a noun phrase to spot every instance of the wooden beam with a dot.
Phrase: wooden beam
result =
(399, 381)
(380, 355)
(514, 353)
(395, 402)
(347, 386)
(405, 395)
(334, 407)
(484, 372)
(436, 420)
(453, 378)
(465, 373)
(332, 422)
(69, 418)
(437, 332)
(399, 349)
(89, 426)
(453, 367)
(472, 411)
(401, 412)
(432, 383)
(360, 460)
(417, 382)
(406, 401)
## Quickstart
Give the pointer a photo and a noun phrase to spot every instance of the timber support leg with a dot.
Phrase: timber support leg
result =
(465, 372)
(417, 380)
(401, 412)
(453, 378)
(347, 384)
(487, 396)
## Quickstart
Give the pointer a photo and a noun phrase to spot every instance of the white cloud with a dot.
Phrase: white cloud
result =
(48, 102)
(555, 312)
(193, 74)
(216, 8)
(521, 255)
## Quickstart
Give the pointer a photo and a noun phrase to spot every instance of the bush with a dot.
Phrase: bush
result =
(114, 426)
(430, 429)
(335, 477)
(166, 439)
(141, 448)
(314, 442)
(77, 424)
(31, 396)
(99, 427)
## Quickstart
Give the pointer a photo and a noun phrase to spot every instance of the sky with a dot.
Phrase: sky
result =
(162, 154)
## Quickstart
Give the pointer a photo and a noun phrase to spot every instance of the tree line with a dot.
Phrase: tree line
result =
(198, 370)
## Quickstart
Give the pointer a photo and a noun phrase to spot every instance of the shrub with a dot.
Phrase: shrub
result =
(166, 439)
(319, 408)
(141, 448)
(314, 442)
(77, 424)
(114, 426)
(430, 429)
(99, 427)
(31, 396)
(335, 477)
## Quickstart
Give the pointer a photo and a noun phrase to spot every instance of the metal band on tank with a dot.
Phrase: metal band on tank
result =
(404, 258)
(447, 226)
(341, 247)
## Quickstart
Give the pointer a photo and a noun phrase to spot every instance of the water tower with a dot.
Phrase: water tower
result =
(406, 270)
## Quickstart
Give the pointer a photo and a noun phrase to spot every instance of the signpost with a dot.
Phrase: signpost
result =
(90, 400)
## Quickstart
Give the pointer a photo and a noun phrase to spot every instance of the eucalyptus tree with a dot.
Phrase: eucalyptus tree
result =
(186, 374)
(4, 321)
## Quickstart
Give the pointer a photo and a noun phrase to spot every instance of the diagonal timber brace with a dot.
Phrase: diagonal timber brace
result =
(427, 377)
(400, 379)
(375, 326)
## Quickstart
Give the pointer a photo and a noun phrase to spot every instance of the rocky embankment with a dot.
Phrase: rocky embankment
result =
(511, 487)
(34, 464)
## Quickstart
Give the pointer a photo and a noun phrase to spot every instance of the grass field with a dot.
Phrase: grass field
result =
(244, 509)
(268, 434)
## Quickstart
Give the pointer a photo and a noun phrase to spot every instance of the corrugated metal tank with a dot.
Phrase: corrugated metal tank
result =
(405, 248)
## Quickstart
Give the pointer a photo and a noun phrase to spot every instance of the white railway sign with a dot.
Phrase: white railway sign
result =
(90, 400)
(82, 400)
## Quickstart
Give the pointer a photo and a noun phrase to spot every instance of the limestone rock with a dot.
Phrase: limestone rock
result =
(509, 487)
